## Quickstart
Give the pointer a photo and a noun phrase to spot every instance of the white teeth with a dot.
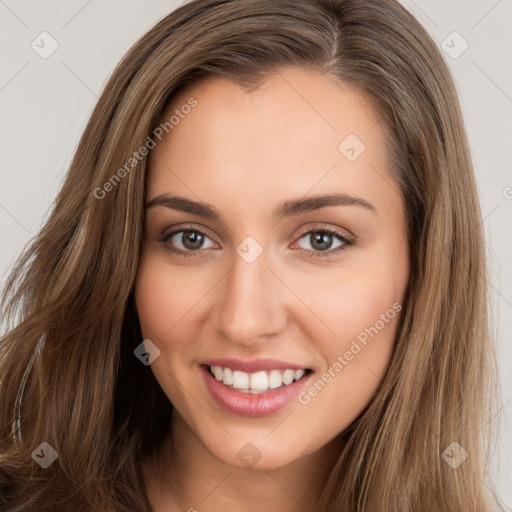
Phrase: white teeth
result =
(298, 374)
(275, 380)
(227, 377)
(288, 377)
(259, 381)
(240, 380)
(255, 382)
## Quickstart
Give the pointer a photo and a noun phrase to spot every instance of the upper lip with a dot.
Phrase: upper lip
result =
(254, 365)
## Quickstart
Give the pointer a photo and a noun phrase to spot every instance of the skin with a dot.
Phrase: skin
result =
(245, 153)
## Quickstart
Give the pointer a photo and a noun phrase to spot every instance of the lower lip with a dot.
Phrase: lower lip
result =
(249, 404)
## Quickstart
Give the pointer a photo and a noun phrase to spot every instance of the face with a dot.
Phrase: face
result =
(274, 257)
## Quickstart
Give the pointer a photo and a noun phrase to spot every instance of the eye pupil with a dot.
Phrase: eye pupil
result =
(321, 240)
(192, 239)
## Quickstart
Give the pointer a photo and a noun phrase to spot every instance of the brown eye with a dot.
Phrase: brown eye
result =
(187, 241)
(192, 239)
(321, 241)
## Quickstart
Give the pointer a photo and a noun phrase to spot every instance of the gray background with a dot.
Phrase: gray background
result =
(45, 104)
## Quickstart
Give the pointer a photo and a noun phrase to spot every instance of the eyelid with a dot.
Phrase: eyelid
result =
(342, 233)
(169, 232)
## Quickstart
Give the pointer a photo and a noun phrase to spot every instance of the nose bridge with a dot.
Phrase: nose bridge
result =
(251, 303)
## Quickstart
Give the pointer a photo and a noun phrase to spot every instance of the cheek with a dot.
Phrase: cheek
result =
(165, 298)
(163, 303)
(155, 304)
(364, 318)
(362, 308)
(170, 303)
(351, 303)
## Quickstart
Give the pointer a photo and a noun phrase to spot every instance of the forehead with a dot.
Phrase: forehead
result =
(297, 132)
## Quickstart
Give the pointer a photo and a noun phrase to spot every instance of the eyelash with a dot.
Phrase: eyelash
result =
(346, 242)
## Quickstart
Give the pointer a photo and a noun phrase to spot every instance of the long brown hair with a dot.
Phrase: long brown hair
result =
(101, 410)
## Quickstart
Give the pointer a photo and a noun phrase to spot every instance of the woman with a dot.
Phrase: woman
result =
(262, 285)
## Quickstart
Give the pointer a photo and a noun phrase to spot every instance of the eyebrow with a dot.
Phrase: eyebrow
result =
(286, 209)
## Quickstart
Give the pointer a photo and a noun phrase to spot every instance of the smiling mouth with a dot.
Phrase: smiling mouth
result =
(257, 382)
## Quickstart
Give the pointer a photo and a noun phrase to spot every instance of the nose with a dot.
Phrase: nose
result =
(251, 304)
